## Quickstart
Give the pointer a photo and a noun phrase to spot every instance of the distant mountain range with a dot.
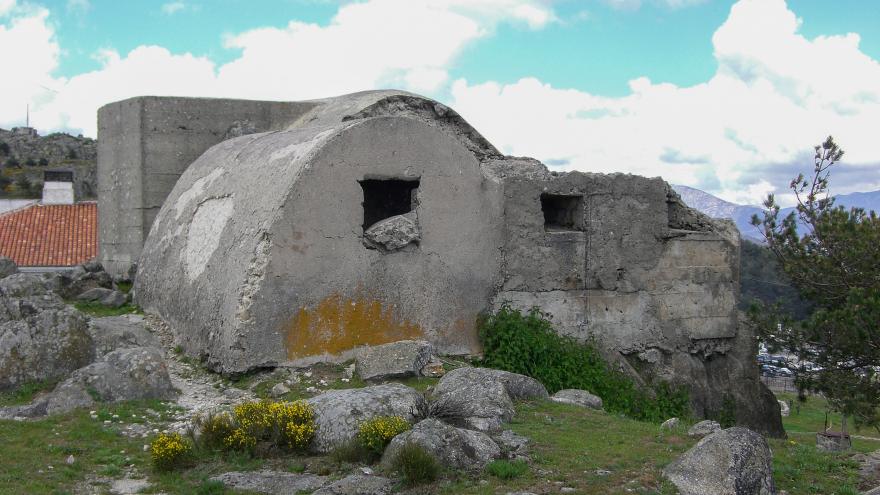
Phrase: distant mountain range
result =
(742, 214)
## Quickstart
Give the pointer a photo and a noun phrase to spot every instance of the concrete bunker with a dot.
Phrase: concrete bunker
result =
(278, 273)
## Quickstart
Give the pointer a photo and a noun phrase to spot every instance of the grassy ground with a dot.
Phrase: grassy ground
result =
(592, 452)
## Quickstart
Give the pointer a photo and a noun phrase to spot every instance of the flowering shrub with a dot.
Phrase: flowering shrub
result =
(376, 433)
(288, 425)
(169, 451)
(214, 429)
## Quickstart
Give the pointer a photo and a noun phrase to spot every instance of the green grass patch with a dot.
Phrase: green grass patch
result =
(95, 308)
(25, 393)
(527, 344)
(507, 470)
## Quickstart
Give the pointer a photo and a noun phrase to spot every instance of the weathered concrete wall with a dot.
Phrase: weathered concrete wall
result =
(145, 144)
(654, 283)
(268, 231)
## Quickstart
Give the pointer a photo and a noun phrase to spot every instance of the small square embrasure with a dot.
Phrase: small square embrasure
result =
(563, 212)
(385, 198)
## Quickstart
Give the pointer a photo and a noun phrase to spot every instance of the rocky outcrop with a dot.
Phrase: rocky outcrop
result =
(26, 144)
(7, 267)
(120, 332)
(577, 398)
(338, 413)
(73, 283)
(455, 448)
(482, 398)
(41, 338)
(358, 484)
(399, 359)
(272, 482)
(736, 461)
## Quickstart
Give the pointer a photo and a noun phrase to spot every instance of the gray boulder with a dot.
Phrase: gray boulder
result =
(358, 484)
(513, 445)
(93, 266)
(7, 267)
(482, 398)
(455, 448)
(78, 280)
(271, 482)
(20, 285)
(40, 338)
(125, 374)
(670, 424)
(577, 397)
(399, 359)
(95, 294)
(114, 299)
(120, 332)
(393, 233)
(735, 461)
(703, 428)
(338, 413)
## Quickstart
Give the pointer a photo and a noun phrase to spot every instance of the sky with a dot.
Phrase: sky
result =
(722, 95)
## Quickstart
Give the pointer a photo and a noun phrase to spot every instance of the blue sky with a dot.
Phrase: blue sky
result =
(723, 95)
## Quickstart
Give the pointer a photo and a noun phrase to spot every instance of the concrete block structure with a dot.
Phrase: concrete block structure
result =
(326, 225)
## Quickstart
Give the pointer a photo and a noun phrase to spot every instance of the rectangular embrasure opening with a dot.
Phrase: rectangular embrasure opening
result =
(563, 212)
(385, 198)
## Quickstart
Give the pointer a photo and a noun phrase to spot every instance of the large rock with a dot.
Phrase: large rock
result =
(271, 482)
(79, 280)
(125, 374)
(455, 448)
(40, 337)
(338, 413)
(784, 410)
(736, 461)
(577, 397)
(482, 398)
(120, 332)
(7, 267)
(399, 359)
(358, 484)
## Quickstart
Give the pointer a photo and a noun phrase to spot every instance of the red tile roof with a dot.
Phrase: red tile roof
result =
(50, 235)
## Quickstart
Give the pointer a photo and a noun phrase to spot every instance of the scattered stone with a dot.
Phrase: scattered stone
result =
(783, 408)
(703, 428)
(670, 424)
(7, 267)
(279, 389)
(833, 441)
(393, 233)
(358, 484)
(399, 359)
(70, 460)
(120, 332)
(127, 486)
(735, 461)
(577, 398)
(566, 489)
(271, 482)
(602, 472)
(454, 447)
(348, 372)
(338, 413)
(482, 398)
(434, 369)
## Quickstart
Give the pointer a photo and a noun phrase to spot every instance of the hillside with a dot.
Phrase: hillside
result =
(25, 155)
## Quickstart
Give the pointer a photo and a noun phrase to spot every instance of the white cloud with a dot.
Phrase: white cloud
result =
(172, 8)
(775, 94)
(636, 4)
(6, 6)
(373, 44)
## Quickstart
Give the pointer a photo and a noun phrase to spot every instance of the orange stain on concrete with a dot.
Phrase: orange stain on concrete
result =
(338, 324)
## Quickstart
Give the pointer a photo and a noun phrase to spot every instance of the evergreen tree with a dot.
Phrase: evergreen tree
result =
(835, 265)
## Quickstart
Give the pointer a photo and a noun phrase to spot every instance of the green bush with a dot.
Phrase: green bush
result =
(526, 344)
(353, 452)
(507, 470)
(415, 465)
